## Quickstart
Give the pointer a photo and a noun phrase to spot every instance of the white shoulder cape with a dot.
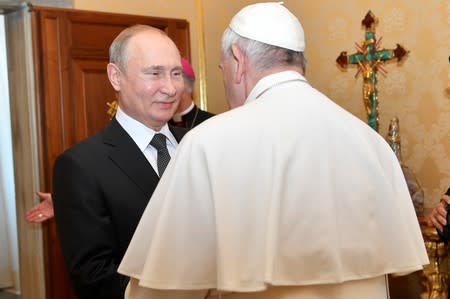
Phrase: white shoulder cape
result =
(289, 189)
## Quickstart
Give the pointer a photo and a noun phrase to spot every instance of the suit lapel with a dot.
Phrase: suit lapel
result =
(127, 156)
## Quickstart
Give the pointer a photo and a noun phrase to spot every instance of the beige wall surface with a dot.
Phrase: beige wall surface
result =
(415, 90)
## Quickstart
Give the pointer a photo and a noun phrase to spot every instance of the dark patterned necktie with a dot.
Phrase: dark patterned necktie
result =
(159, 142)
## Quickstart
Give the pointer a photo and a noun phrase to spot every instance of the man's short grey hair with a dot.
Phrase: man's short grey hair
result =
(262, 56)
(118, 49)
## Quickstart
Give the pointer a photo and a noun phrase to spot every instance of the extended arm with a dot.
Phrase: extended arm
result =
(438, 216)
(42, 211)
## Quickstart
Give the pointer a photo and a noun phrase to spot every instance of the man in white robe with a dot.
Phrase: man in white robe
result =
(285, 196)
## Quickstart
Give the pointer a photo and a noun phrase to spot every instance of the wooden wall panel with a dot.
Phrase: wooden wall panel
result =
(91, 102)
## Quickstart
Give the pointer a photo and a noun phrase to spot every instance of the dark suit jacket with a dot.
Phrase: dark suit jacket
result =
(192, 118)
(101, 187)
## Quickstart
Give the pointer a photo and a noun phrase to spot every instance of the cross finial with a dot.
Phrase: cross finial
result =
(369, 20)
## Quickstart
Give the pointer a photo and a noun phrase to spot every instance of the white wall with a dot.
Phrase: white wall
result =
(9, 260)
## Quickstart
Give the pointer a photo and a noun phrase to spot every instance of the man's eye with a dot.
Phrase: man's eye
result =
(177, 74)
(153, 73)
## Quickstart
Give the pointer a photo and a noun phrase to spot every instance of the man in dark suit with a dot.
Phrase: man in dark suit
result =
(188, 115)
(102, 185)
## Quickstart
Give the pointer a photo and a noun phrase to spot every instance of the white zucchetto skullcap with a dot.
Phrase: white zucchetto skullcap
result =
(270, 23)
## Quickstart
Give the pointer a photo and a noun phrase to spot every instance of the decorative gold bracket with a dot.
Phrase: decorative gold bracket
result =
(112, 108)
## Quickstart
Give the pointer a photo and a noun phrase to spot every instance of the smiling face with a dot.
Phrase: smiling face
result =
(150, 85)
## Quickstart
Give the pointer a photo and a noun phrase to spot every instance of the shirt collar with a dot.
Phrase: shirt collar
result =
(179, 116)
(186, 111)
(140, 133)
(272, 80)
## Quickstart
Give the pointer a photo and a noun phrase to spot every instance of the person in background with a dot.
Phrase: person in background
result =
(102, 184)
(438, 219)
(287, 195)
(188, 115)
(438, 216)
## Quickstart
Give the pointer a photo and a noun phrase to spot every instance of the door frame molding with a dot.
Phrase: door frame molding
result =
(25, 150)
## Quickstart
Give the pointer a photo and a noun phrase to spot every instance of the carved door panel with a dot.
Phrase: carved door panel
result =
(71, 54)
(91, 107)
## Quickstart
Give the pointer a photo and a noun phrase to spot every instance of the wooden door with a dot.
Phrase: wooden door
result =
(71, 54)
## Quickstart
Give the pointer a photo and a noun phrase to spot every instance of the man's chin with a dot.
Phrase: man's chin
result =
(166, 116)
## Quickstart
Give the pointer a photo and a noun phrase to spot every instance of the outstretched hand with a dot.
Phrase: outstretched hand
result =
(438, 216)
(42, 211)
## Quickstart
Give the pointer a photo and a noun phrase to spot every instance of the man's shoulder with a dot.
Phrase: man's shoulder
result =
(215, 127)
(178, 132)
(205, 114)
(87, 146)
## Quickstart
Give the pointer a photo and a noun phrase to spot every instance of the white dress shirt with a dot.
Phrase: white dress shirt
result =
(142, 135)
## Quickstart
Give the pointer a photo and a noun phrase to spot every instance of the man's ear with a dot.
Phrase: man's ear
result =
(114, 75)
(239, 58)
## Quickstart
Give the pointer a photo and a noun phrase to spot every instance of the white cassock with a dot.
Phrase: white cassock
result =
(288, 193)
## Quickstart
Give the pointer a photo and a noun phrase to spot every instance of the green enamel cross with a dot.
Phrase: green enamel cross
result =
(369, 60)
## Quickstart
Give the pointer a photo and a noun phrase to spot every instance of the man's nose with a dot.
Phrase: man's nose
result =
(169, 85)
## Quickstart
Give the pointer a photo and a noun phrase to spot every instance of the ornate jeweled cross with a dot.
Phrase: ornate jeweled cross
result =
(369, 60)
